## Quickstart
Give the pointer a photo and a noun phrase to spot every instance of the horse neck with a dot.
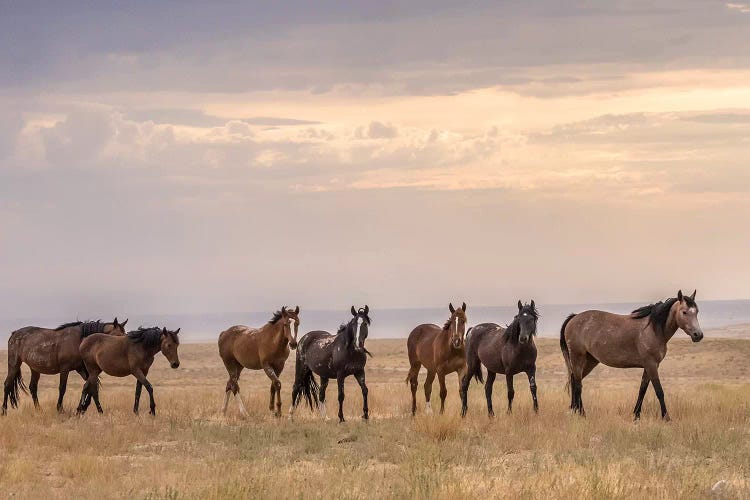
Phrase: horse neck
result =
(670, 328)
(274, 331)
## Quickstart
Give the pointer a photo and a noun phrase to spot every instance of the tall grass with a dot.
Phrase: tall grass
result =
(190, 450)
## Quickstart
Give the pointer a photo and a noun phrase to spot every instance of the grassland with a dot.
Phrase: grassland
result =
(190, 450)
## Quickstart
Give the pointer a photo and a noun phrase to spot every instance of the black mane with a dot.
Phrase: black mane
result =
(149, 337)
(513, 331)
(68, 325)
(276, 316)
(658, 313)
(87, 327)
(344, 326)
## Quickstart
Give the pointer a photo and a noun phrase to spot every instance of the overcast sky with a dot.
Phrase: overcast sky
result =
(190, 156)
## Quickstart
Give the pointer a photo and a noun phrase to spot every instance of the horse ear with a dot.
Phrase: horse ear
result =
(296, 310)
(367, 309)
(520, 306)
(164, 330)
(533, 306)
(124, 323)
(692, 297)
(450, 307)
(354, 311)
(177, 331)
(115, 321)
(679, 295)
(463, 307)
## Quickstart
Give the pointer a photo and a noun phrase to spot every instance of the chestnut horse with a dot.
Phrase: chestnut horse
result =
(637, 340)
(332, 356)
(49, 352)
(441, 351)
(132, 354)
(509, 351)
(265, 348)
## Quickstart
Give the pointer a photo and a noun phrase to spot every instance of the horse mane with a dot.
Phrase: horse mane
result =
(77, 323)
(344, 326)
(513, 331)
(276, 316)
(68, 325)
(149, 337)
(658, 313)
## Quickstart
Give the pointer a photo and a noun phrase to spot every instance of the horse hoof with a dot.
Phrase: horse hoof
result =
(666, 417)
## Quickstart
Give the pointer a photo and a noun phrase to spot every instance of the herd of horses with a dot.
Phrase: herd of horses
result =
(635, 340)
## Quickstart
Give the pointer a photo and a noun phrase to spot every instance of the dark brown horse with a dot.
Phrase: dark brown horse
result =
(637, 340)
(509, 351)
(332, 356)
(49, 352)
(132, 354)
(441, 351)
(265, 348)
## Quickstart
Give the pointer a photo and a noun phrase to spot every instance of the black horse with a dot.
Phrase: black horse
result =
(507, 350)
(332, 356)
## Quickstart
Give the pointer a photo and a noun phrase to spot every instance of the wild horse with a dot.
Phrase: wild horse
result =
(509, 351)
(637, 340)
(132, 354)
(441, 351)
(49, 352)
(265, 348)
(332, 356)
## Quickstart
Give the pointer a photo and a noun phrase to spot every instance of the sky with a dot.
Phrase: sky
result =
(178, 157)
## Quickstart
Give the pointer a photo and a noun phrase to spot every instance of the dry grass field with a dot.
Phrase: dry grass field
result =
(189, 450)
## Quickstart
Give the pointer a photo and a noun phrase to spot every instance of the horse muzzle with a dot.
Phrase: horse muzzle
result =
(175, 365)
(293, 344)
(697, 336)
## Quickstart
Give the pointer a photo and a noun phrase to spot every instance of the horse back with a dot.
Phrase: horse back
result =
(45, 351)
(240, 343)
(610, 338)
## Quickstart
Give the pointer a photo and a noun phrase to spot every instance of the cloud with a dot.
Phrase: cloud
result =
(739, 7)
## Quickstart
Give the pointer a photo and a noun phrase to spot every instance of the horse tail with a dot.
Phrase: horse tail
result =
(305, 384)
(564, 349)
(15, 385)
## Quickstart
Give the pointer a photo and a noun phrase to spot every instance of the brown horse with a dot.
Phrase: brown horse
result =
(265, 348)
(132, 354)
(637, 340)
(509, 350)
(49, 352)
(441, 351)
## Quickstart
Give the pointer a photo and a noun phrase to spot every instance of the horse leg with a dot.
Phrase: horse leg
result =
(233, 387)
(511, 391)
(464, 392)
(652, 370)
(61, 390)
(137, 400)
(275, 387)
(531, 373)
(141, 377)
(85, 376)
(34, 387)
(641, 394)
(360, 376)
(340, 379)
(443, 391)
(88, 392)
(322, 397)
(488, 391)
(461, 375)
(428, 391)
(413, 380)
(94, 391)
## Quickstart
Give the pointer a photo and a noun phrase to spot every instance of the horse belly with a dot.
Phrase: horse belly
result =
(42, 357)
